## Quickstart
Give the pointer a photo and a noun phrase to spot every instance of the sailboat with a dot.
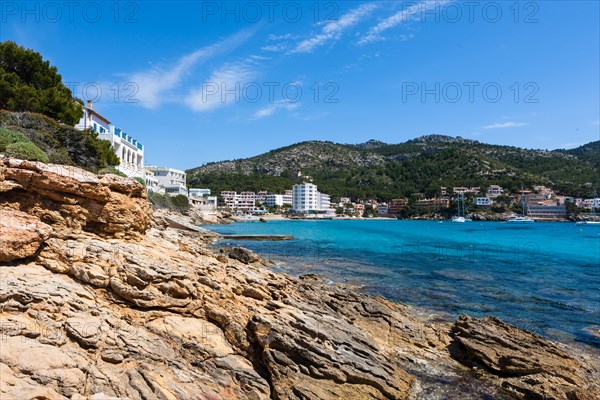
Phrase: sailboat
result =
(461, 210)
(522, 219)
(586, 221)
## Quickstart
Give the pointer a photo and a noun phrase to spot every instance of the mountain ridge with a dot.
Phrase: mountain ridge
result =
(420, 165)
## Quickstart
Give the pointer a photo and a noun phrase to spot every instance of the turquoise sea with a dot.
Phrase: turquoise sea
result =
(544, 277)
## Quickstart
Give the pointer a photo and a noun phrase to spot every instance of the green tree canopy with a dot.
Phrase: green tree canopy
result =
(28, 83)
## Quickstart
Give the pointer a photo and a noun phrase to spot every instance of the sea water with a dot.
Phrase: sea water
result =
(544, 277)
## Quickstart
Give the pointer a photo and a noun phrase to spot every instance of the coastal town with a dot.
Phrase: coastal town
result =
(304, 200)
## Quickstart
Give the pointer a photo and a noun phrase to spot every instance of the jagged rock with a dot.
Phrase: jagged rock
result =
(20, 235)
(69, 197)
(531, 365)
(244, 255)
(101, 311)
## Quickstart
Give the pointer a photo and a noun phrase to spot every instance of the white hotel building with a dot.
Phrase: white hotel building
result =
(171, 179)
(129, 151)
(306, 199)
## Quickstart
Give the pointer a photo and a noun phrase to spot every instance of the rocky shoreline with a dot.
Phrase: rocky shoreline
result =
(102, 297)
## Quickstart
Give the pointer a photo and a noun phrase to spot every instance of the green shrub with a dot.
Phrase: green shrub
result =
(9, 137)
(26, 151)
(178, 203)
(59, 156)
(111, 170)
(140, 180)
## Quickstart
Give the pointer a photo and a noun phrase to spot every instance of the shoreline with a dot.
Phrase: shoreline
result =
(128, 303)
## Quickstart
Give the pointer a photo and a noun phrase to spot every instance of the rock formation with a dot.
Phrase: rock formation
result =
(109, 301)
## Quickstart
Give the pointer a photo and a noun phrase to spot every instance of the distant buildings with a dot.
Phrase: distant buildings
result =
(494, 191)
(430, 205)
(128, 150)
(306, 199)
(171, 179)
(591, 203)
(382, 209)
(274, 200)
(482, 202)
(396, 206)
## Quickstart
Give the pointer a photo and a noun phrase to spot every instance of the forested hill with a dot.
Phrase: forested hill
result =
(379, 170)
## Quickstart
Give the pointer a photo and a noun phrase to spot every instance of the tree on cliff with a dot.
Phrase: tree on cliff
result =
(28, 83)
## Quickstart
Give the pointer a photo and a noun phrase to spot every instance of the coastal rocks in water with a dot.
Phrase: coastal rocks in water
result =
(528, 364)
(69, 197)
(246, 256)
(20, 235)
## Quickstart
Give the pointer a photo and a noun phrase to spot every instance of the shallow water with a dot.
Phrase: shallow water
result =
(544, 277)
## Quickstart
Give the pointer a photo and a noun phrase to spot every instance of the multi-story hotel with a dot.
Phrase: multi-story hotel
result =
(306, 199)
(171, 179)
(244, 202)
(129, 151)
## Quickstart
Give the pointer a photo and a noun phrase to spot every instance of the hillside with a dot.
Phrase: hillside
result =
(379, 170)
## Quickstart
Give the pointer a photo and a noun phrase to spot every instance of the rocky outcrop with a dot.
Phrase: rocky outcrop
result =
(527, 363)
(69, 197)
(101, 311)
(20, 235)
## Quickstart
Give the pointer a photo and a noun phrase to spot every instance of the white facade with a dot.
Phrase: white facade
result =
(324, 201)
(305, 198)
(129, 151)
(382, 209)
(274, 200)
(494, 191)
(591, 203)
(482, 201)
(152, 184)
(287, 198)
(171, 179)
(243, 202)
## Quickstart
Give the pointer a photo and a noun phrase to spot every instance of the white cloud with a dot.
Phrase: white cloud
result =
(334, 30)
(501, 125)
(224, 87)
(154, 84)
(406, 14)
(273, 107)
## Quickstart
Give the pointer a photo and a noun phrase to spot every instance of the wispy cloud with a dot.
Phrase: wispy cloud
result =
(155, 83)
(406, 14)
(333, 31)
(501, 125)
(224, 87)
(273, 107)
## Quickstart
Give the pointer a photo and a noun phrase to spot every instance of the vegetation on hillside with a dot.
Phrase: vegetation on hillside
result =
(63, 144)
(420, 166)
(28, 83)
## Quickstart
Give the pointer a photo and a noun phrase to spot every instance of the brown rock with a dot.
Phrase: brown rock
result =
(246, 256)
(69, 197)
(531, 365)
(20, 235)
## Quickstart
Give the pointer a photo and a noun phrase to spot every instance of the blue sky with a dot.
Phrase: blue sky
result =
(206, 81)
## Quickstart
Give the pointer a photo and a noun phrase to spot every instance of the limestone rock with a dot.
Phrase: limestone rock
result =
(69, 197)
(20, 235)
(244, 255)
(531, 365)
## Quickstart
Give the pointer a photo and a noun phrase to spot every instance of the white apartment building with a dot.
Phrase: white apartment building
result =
(243, 202)
(274, 200)
(287, 197)
(305, 198)
(171, 179)
(152, 184)
(382, 209)
(591, 203)
(482, 201)
(494, 191)
(324, 202)
(129, 151)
